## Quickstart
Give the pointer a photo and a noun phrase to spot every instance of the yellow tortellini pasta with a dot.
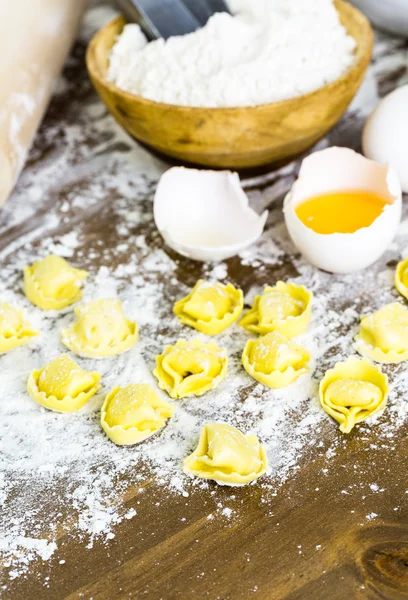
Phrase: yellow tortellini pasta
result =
(353, 391)
(383, 335)
(14, 330)
(274, 360)
(286, 308)
(210, 307)
(62, 385)
(133, 413)
(227, 456)
(52, 283)
(401, 278)
(101, 330)
(191, 368)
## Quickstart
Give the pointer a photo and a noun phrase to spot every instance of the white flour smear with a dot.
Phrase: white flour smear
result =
(45, 452)
(53, 465)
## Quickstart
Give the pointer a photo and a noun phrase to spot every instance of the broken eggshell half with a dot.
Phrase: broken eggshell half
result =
(342, 169)
(205, 215)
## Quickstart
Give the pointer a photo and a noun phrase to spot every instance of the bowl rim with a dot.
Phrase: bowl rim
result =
(361, 59)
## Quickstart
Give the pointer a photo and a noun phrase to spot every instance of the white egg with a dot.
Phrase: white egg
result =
(205, 215)
(342, 169)
(385, 136)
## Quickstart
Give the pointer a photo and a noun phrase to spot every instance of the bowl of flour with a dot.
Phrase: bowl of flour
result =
(252, 88)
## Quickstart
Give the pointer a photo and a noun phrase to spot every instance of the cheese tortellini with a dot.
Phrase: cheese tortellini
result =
(227, 456)
(191, 368)
(401, 278)
(353, 391)
(62, 385)
(52, 284)
(286, 308)
(133, 413)
(210, 307)
(14, 330)
(101, 330)
(383, 335)
(274, 360)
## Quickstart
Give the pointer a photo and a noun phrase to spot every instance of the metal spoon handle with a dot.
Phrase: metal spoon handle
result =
(160, 18)
(204, 9)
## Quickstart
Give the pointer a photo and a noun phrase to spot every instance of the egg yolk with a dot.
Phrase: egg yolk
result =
(341, 212)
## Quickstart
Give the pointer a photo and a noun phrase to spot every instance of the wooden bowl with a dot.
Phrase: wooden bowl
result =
(233, 137)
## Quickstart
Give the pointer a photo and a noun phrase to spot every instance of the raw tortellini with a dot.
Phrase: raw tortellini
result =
(53, 284)
(227, 456)
(285, 308)
(62, 385)
(14, 330)
(210, 307)
(274, 360)
(101, 330)
(133, 413)
(401, 278)
(383, 335)
(191, 368)
(353, 391)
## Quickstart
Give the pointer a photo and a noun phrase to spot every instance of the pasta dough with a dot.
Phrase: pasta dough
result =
(191, 368)
(133, 413)
(285, 308)
(53, 284)
(62, 385)
(227, 456)
(401, 278)
(210, 307)
(353, 391)
(14, 330)
(383, 335)
(101, 330)
(274, 360)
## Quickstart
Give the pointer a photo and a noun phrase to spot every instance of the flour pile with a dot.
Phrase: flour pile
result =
(269, 50)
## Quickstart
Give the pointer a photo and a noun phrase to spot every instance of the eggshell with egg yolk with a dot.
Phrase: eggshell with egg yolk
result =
(342, 169)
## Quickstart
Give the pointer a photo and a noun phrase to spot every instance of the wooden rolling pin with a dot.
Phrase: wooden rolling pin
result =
(35, 38)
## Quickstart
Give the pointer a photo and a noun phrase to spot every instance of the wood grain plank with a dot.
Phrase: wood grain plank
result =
(311, 537)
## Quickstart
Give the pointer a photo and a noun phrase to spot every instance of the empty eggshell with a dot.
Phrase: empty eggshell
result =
(205, 215)
(342, 169)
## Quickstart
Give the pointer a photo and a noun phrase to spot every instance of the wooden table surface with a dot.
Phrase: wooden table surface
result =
(323, 532)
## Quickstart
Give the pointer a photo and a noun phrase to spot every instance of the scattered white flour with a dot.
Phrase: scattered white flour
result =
(371, 516)
(86, 171)
(269, 50)
(45, 452)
